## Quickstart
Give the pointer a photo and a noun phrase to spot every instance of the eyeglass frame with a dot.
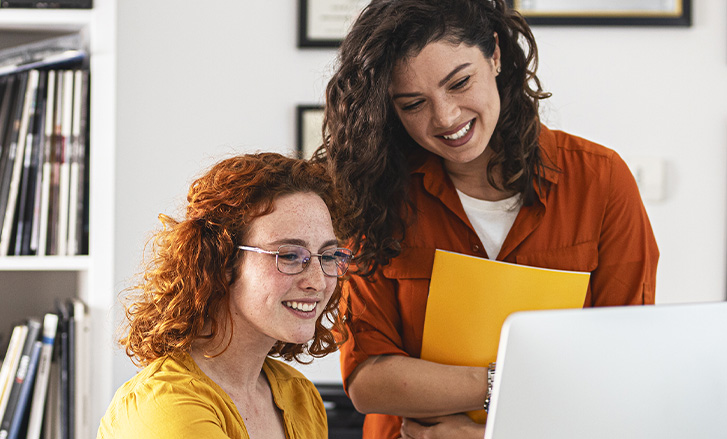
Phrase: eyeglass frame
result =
(304, 264)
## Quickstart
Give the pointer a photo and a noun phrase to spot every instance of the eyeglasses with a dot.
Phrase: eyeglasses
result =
(293, 259)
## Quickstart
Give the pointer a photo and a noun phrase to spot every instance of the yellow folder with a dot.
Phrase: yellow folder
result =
(470, 297)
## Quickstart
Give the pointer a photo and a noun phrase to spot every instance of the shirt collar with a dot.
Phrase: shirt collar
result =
(430, 165)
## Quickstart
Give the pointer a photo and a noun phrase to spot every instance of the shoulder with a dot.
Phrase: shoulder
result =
(166, 392)
(579, 158)
(160, 382)
(568, 145)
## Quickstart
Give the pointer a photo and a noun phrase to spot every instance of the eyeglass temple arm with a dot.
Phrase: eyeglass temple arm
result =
(257, 250)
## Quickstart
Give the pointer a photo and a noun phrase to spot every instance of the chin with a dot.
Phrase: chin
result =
(300, 338)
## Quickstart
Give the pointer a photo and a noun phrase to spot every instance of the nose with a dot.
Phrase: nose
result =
(313, 275)
(445, 112)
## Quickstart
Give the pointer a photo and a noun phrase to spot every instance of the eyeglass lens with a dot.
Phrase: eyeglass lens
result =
(293, 259)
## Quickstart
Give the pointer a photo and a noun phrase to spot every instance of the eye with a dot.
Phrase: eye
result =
(412, 106)
(292, 253)
(329, 255)
(461, 83)
(288, 256)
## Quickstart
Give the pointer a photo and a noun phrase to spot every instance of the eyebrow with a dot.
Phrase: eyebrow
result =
(441, 83)
(302, 243)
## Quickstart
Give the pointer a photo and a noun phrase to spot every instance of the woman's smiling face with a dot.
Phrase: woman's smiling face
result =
(447, 99)
(267, 304)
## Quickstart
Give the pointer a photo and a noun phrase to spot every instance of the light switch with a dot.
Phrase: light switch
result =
(649, 173)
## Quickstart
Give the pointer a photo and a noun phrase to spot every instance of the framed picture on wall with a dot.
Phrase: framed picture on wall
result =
(324, 23)
(605, 12)
(309, 121)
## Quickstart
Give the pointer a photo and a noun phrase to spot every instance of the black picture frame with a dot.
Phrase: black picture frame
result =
(332, 18)
(309, 124)
(679, 15)
(47, 4)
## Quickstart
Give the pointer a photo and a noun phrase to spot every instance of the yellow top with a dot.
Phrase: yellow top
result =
(173, 398)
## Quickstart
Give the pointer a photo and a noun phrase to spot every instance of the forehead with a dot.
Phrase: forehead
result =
(434, 62)
(302, 215)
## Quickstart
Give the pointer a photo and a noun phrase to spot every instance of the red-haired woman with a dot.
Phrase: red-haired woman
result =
(250, 273)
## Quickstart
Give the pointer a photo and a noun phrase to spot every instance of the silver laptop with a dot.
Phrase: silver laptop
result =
(641, 372)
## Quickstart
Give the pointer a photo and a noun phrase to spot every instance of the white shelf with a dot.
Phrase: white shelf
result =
(45, 19)
(32, 283)
(44, 263)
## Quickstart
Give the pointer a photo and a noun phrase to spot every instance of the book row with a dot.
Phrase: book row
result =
(44, 162)
(42, 393)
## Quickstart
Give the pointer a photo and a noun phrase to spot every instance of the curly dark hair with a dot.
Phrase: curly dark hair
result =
(194, 261)
(367, 149)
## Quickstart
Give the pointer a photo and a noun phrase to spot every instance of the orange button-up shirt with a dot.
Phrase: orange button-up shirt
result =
(589, 218)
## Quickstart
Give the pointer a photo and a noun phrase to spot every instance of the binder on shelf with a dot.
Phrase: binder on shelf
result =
(41, 233)
(66, 363)
(52, 416)
(30, 214)
(18, 424)
(64, 152)
(39, 401)
(28, 174)
(80, 344)
(57, 141)
(34, 328)
(10, 144)
(76, 200)
(82, 157)
(10, 364)
(17, 165)
(6, 111)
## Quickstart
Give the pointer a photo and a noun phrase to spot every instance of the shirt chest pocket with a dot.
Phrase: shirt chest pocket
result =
(579, 257)
(412, 271)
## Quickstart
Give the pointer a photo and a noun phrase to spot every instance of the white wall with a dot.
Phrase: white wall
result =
(197, 81)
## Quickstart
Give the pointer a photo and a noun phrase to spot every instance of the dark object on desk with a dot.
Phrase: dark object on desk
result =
(52, 4)
(344, 422)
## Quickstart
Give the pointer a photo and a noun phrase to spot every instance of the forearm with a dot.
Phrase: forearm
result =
(415, 388)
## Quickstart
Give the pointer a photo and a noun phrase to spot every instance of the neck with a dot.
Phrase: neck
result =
(239, 366)
(471, 178)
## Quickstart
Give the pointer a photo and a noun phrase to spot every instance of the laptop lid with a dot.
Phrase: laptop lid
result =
(656, 371)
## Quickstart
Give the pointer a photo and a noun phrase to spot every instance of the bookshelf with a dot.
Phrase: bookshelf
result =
(30, 284)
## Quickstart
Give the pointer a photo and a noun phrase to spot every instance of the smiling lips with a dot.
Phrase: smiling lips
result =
(459, 137)
(459, 134)
(300, 306)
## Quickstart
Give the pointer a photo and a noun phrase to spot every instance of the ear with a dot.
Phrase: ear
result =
(496, 60)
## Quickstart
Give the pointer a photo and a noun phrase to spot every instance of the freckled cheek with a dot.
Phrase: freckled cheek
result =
(260, 293)
(330, 288)
(416, 126)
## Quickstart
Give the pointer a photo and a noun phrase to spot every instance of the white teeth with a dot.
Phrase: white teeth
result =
(459, 134)
(300, 306)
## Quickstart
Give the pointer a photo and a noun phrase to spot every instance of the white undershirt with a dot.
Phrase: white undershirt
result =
(492, 220)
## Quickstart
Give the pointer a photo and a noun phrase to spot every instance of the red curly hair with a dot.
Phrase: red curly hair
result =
(187, 281)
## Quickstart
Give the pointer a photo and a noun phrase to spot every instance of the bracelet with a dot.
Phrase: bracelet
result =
(490, 381)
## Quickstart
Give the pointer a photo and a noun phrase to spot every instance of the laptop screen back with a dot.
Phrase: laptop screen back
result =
(623, 372)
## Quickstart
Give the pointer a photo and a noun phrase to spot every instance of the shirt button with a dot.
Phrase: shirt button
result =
(476, 248)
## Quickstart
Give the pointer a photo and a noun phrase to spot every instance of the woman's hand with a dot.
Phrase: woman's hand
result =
(457, 426)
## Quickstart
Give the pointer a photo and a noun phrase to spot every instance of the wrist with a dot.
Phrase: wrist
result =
(490, 381)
